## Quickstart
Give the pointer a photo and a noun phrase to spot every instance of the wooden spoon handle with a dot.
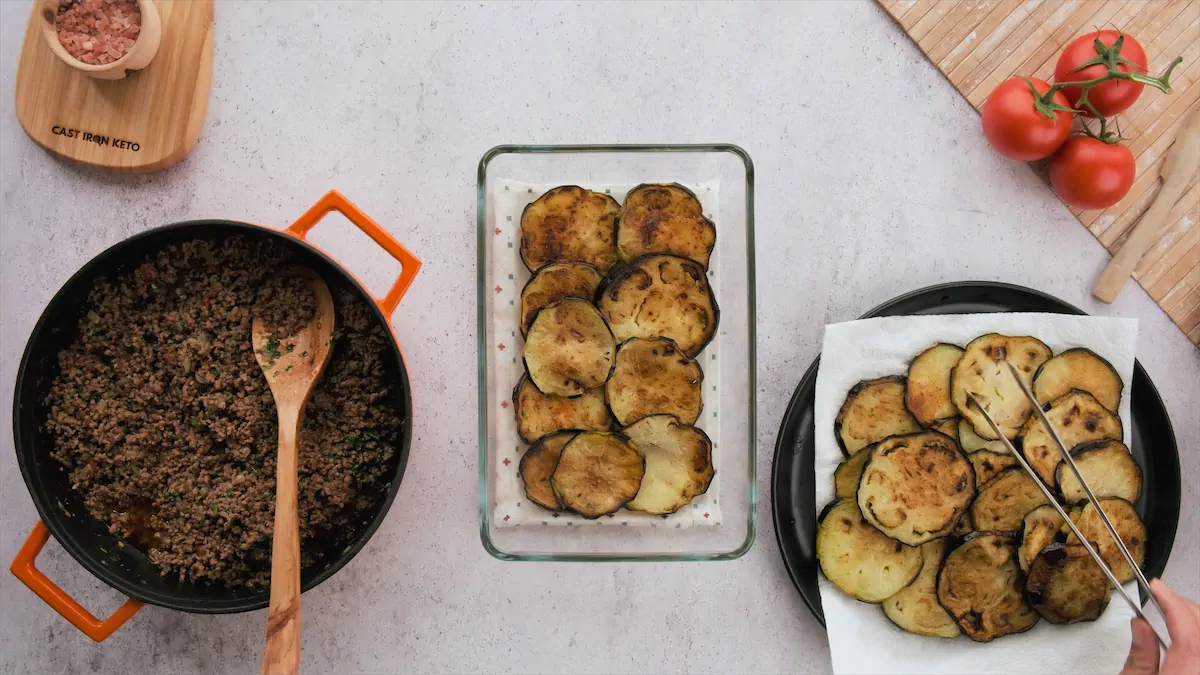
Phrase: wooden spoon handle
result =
(1180, 166)
(1145, 233)
(282, 654)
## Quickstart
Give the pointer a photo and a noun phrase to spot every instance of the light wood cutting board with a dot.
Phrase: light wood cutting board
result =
(979, 43)
(145, 122)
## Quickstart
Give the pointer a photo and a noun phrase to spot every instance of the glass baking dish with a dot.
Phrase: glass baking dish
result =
(717, 526)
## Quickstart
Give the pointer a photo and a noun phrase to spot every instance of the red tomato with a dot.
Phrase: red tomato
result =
(1092, 174)
(1108, 98)
(1014, 126)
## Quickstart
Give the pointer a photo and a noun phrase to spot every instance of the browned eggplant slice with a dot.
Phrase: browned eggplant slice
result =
(927, 393)
(915, 487)
(652, 376)
(1003, 501)
(981, 586)
(915, 608)
(1125, 519)
(539, 414)
(556, 282)
(845, 477)
(1043, 526)
(1065, 585)
(570, 224)
(664, 218)
(661, 295)
(987, 463)
(678, 464)
(1080, 369)
(859, 559)
(970, 441)
(964, 527)
(569, 349)
(1107, 467)
(1078, 418)
(597, 473)
(872, 411)
(982, 372)
(948, 426)
(538, 464)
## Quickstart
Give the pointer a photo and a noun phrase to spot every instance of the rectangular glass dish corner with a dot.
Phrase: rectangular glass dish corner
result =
(720, 526)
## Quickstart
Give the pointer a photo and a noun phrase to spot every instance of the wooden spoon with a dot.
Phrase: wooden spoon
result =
(1183, 158)
(292, 365)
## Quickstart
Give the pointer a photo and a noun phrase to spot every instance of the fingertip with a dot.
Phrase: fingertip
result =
(1163, 592)
(1143, 649)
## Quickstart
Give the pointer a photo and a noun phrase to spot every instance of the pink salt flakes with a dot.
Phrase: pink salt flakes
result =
(98, 32)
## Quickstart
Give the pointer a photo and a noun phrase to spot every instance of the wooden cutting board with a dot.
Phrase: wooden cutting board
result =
(979, 43)
(145, 122)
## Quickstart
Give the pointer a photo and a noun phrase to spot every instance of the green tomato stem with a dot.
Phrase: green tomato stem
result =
(1109, 57)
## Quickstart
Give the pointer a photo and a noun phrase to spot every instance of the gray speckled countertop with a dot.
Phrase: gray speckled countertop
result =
(873, 179)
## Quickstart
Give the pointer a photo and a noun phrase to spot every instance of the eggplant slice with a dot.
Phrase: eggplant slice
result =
(1078, 418)
(539, 414)
(846, 476)
(987, 463)
(652, 376)
(538, 464)
(915, 608)
(661, 295)
(597, 474)
(556, 282)
(964, 527)
(1107, 467)
(569, 349)
(872, 411)
(970, 441)
(927, 393)
(982, 372)
(981, 586)
(1065, 585)
(679, 464)
(664, 218)
(915, 487)
(570, 224)
(859, 559)
(1003, 501)
(1080, 369)
(948, 426)
(1127, 523)
(1043, 526)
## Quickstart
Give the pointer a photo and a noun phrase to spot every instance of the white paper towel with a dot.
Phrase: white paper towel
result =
(861, 638)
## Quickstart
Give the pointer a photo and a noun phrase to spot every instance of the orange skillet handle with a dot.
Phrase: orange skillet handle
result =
(24, 569)
(409, 263)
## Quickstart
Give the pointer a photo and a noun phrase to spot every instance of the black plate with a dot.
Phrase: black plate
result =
(792, 492)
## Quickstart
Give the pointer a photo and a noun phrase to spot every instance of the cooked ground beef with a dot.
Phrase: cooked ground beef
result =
(168, 428)
(285, 303)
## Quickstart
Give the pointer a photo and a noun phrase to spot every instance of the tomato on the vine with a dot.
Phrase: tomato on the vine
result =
(1016, 128)
(1091, 174)
(1107, 98)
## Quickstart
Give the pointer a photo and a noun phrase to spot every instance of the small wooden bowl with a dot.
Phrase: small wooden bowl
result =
(138, 56)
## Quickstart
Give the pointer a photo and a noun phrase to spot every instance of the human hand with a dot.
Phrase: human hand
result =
(1183, 624)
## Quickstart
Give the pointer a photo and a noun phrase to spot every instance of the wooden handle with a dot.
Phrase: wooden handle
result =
(282, 654)
(1180, 167)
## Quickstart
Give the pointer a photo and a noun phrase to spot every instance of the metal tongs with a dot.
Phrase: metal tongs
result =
(1095, 502)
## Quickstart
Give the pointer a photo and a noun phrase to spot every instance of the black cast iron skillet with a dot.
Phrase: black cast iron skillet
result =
(125, 568)
(792, 485)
